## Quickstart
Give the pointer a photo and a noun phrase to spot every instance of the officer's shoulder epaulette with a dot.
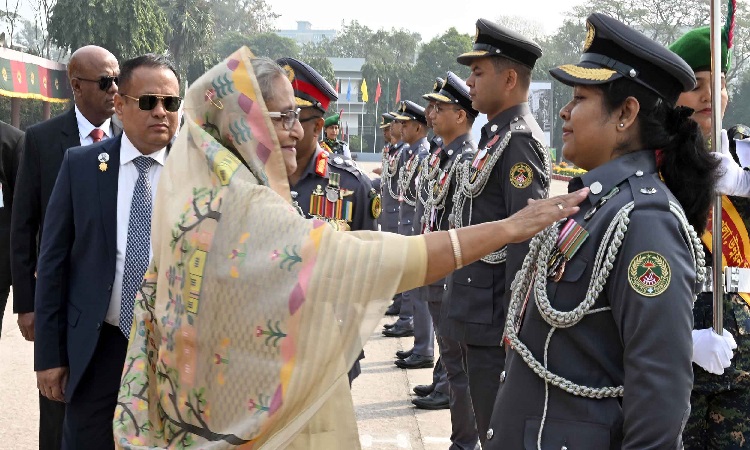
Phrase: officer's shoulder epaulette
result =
(467, 145)
(649, 192)
(518, 126)
(343, 163)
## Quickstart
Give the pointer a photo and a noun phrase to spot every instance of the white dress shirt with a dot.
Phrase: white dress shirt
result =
(126, 180)
(85, 128)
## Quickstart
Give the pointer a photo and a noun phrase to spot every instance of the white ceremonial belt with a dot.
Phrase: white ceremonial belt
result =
(736, 279)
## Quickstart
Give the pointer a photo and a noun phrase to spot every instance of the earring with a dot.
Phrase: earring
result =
(622, 125)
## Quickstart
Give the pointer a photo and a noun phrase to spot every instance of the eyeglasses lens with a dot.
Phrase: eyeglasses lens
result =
(149, 102)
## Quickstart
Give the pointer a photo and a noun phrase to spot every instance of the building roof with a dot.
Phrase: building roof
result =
(347, 64)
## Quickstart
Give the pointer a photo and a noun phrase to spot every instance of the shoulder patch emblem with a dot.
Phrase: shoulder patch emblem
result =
(649, 274)
(376, 206)
(521, 175)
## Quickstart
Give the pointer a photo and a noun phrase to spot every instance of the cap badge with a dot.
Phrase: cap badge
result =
(476, 35)
(590, 34)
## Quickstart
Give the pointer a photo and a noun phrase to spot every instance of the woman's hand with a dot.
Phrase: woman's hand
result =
(540, 214)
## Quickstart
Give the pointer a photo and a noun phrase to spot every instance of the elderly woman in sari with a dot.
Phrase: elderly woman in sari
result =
(246, 325)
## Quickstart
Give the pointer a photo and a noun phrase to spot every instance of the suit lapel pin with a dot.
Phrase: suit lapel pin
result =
(103, 158)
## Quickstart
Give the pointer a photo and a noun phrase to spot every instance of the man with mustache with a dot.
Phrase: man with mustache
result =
(95, 250)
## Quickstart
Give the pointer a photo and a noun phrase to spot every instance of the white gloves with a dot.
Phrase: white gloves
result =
(733, 180)
(711, 351)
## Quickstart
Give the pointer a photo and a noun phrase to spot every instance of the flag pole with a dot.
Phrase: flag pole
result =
(375, 132)
(718, 284)
(349, 113)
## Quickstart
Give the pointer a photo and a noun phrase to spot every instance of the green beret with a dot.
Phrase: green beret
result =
(695, 48)
(331, 120)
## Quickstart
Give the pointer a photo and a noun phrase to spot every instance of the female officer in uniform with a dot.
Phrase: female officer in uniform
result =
(601, 314)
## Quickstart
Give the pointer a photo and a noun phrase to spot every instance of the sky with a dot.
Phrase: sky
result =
(428, 18)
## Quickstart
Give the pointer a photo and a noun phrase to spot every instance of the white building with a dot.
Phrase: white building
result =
(348, 72)
(304, 34)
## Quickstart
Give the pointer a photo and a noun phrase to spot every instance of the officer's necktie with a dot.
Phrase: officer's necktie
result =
(97, 134)
(138, 243)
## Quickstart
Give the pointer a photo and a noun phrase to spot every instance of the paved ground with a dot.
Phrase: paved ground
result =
(386, 418)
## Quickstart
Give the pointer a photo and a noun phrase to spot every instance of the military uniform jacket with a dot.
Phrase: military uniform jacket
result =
(515, 167)
(412, 158)
(355, 196)
(392, 162)
(428, 171)
(435, 194)
(640, 340)
(333, 146)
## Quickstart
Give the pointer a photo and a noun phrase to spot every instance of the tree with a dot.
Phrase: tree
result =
(392, 47)
(126, 28)
(352, 42)
(35, 35)
(245, 17)
(531, 29)
(262, 44)
(436, 58)
(190, 31)
(10, 15)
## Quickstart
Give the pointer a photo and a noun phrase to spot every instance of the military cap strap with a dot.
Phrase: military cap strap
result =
(611, 63)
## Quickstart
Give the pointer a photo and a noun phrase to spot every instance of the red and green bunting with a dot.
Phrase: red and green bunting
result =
(25, 80)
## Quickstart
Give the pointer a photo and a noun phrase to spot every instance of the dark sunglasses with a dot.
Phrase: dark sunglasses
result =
(147, 102)
(104, 82)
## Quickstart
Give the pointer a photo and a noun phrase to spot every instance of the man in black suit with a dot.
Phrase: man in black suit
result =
(92, 72)
(11, 146)
(95, 250)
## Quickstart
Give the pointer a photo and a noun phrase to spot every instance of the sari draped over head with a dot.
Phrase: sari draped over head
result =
(249, 315)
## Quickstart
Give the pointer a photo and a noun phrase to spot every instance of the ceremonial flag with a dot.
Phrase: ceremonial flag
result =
(377, 92)
(337, 86)
(398, 92)
(349, 91)
(363, 89)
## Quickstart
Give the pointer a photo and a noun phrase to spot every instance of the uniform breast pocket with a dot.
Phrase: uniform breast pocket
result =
(570, 434)
(472, 296)
(567, 287)
(392, 209)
